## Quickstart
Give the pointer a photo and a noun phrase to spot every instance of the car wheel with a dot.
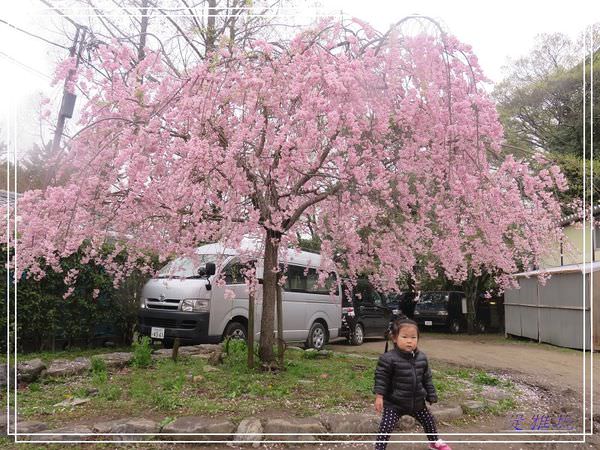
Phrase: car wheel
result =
(358, 335)
(480, 327)
(236, 330)
(454, 327)
(317, 336)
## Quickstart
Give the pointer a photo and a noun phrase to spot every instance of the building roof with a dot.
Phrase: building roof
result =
(571, 268)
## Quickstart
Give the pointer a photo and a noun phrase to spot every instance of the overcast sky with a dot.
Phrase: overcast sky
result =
(496, 31)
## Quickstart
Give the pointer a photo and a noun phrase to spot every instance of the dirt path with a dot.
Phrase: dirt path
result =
(558, 370)
(548, 365)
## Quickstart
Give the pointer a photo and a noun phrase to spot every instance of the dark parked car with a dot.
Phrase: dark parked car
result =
(442, 308)
(402, 303)
(449, 309)
(365, 314)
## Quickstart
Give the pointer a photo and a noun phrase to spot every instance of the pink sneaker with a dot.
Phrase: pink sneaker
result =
(439, 445)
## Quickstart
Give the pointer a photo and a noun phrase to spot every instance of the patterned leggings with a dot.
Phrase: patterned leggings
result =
(391, 417)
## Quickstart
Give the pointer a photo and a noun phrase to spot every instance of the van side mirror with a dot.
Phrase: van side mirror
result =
(211, 269)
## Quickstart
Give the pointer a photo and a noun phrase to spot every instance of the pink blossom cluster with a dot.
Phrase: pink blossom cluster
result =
(383, 142)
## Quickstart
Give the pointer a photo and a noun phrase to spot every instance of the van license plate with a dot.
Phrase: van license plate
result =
(428, 322)
(157, 333)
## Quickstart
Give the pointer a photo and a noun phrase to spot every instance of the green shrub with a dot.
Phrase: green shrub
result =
(97, 365)
(99, 371)
(142, 352)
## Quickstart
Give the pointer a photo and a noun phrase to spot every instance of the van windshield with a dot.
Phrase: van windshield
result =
(433, 301)
(186, 267)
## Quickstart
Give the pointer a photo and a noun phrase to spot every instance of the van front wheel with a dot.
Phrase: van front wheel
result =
(317, 336)
(358, 336)
(236, 330)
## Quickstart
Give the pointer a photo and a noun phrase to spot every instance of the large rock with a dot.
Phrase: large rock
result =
(116, 360)
(249, 430)
(57, 436)
(472, 406)
(64, 367)
(31, 426)
(31, 370)
(132, 425)
(442, 412)
(294, 425)
(127, 429)
(351, 423)
(198, 429)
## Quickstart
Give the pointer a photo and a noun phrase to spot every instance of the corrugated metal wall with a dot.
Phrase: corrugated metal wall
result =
(596, 305)
(552, 312)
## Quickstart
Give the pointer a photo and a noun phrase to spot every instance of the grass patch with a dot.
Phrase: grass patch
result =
(190, 386)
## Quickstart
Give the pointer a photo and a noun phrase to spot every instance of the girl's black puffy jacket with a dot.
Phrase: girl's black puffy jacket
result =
(404, 380)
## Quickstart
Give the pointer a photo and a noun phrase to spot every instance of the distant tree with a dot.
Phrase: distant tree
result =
(541, 105)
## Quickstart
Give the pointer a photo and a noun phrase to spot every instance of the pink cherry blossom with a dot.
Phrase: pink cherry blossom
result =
(383, 141)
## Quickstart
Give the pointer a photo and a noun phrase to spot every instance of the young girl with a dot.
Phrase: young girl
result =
(403, 383)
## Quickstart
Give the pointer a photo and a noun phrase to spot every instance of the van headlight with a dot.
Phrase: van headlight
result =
(442, 313)
(417, 313)
(143, 303)
(194, 305)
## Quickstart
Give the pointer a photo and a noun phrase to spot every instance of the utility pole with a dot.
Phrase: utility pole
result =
(68, 99)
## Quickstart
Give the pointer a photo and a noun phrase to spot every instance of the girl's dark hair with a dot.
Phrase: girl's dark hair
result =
(399, 323)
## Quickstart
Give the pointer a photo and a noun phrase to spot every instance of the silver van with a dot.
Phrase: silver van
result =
(185, 300)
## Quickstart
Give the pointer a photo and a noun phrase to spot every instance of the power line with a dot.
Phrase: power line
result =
(33, 35)
(54, 8)
(25, 66)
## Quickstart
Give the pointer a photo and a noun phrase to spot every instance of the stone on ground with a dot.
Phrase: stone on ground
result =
(64, 367)
(198, 429)
(249, 430)
(442, 412)
(69, 402)
(294, 426)
(116, 360)
(128, 426)
(351, 423)
(58, 436)
(473, 406)
(31, 370)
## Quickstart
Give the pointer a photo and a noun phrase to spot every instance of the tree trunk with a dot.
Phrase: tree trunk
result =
(267, 336)
(471, 290)
(251, 330)
(211, 28)
(280, 348)
(143, 30)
